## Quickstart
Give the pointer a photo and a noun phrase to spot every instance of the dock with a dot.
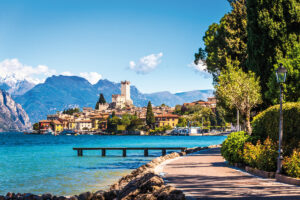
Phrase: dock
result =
(124, 149)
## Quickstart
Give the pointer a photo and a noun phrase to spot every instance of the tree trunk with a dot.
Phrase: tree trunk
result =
(248, 125)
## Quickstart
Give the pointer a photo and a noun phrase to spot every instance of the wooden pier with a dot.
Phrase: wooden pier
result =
(124, 149)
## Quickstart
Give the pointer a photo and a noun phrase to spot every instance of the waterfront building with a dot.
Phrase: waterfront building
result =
(44, 126)
(83, 124)
(57, 126)
(166, 119)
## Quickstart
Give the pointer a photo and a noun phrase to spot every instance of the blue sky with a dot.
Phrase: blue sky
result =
(151, 43)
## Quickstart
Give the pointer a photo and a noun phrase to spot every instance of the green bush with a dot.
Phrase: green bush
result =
(291, 164)
(261, 156)
(266, 124)
(232, 147)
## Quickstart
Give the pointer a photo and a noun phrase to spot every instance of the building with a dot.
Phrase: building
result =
(83, 125)
(122, 100)
(166, 119)
(44, 126)
(210, 103)
(57, 126)
(99, 122)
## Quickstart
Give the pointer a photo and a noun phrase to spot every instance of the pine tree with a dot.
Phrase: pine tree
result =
(150, 119)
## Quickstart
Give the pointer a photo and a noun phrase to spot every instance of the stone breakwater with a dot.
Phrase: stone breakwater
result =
(141, 184)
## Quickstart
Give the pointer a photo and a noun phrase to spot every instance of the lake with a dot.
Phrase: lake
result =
(47, 164)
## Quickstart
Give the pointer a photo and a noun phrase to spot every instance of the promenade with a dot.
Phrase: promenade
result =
(205, 175)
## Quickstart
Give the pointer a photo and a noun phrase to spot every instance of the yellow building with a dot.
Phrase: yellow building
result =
(72, 125)
(166, 119)
(57, 126)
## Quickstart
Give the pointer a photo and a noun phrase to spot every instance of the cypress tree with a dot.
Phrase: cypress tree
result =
(100, 101)
(150, 119)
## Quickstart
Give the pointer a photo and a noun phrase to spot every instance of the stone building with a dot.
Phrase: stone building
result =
(122, 100)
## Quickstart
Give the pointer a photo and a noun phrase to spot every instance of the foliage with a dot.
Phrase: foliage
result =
(182, 122)
(226, 42)
(112, 124)
(273, 30)
(232, 147)
(100, 101)
(150, 119)
(261, 156)
(161, 129)
(71, 111)
(239, 90)
(291, 164)
(266, 124)
(36, 126)
(292, 84)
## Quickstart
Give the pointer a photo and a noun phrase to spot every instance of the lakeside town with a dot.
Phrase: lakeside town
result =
(103, 119)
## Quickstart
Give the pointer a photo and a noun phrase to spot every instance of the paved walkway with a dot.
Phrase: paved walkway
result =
(205, 175)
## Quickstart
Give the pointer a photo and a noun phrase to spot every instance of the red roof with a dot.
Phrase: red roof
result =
(167, 115)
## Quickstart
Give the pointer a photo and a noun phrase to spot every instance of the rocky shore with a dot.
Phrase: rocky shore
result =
(141, 184)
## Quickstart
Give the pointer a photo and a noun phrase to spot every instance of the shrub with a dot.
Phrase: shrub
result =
(232, 147)
(261, 156)
(266, 124)
(251, 153)
(291, 164)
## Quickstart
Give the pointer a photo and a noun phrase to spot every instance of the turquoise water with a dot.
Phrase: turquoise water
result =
(45, 163)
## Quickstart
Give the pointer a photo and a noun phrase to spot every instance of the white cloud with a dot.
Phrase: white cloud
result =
(201, 68)
(92, 77)
(12, 71)
(146, 64)
(67, 73)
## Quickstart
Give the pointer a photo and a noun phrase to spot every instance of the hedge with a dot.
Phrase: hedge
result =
(232, 147)
(266, 124)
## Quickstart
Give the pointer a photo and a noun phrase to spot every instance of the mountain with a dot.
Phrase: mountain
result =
(62, 92)
(12, 115)
(16, 87)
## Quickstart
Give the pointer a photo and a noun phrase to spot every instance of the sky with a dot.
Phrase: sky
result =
(151, 43)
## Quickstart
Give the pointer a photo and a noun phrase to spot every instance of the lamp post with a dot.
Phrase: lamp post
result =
(281, 76)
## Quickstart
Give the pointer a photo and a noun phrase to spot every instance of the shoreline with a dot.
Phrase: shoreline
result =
(143, 182)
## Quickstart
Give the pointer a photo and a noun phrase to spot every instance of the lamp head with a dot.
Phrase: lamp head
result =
(281, 74)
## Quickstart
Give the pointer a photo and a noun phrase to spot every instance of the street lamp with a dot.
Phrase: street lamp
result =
(281, 76)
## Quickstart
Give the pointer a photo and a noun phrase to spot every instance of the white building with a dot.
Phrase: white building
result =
(82, 125)
(123, 99)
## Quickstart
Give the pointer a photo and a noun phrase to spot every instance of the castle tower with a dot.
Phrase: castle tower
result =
(125, 91)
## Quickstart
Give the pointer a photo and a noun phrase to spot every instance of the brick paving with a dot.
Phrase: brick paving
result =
(205, 175)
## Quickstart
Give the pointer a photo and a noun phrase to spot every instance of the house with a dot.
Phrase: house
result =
(57, 126)
(122, 100)
(166, 119)
(83, 125)
(99, 121)
(44, 126)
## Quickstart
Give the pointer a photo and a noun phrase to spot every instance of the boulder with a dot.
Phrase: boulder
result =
(85, 196)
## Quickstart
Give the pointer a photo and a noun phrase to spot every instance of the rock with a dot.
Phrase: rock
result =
(148, 186)
(99, 195)
(73, 198)
(169, 193)
(111, 195)
(2, 197)
(85, 196)
(12, 115)
(47, 196)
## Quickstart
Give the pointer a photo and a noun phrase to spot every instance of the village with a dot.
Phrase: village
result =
(95, 121)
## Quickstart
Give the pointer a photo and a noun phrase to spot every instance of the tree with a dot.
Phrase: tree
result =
(292, 84)
(150, 119)
(71, 111)
(226, 42)
(36, 126)
(100, 101)
(273, 30)
(240, 90)
(112, 124)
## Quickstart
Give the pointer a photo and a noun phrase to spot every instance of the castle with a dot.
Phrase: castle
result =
(122, 100)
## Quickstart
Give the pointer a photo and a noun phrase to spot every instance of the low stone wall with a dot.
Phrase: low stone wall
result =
(141, 184)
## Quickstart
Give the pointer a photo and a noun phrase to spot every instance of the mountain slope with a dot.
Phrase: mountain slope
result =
(12, 115)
